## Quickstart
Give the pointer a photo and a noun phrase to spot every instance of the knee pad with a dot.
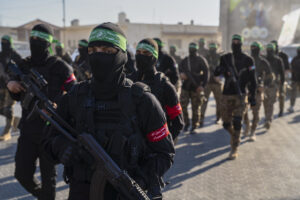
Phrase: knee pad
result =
(226, 125)
(237, 123)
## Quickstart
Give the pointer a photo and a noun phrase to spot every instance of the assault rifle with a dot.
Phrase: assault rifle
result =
(34, 83)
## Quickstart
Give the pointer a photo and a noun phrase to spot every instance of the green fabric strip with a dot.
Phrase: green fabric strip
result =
(149, 48)
(213, 46)
(8, 38)
(271, 46)
(82, 43)
(195, 46)
(44, 36)
(59, 44)
(159, 43)
(237, 37)
(109, 36)
(257, 44)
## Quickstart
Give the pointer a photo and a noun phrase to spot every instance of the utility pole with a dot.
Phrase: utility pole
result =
(64, 20)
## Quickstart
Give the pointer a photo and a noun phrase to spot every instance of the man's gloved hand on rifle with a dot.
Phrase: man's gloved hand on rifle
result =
(72, 154)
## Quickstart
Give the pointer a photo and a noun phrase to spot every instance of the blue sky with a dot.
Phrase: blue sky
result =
(18, 12)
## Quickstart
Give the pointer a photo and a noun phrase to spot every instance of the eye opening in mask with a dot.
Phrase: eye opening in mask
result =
(143, 52)
(236, 42)
(102, 49)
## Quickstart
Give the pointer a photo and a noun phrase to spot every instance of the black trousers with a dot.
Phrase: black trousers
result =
(28, 152)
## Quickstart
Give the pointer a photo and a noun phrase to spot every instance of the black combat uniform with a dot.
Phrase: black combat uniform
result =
(239, 66)
(112, 109)
(167, 65)
(60, 78)
(295, 79)
(59, 48)
(271, 93)
(81, 65)
(286, 65)
(214, 85)
(264, 80)
(196, 69)
(160, 86)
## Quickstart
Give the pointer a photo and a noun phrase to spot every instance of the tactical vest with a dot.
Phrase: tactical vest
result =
(112, 123)
(156, 86)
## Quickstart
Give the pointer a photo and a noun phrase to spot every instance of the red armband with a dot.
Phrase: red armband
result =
(174, 111)
(69, 80)
(159, 134)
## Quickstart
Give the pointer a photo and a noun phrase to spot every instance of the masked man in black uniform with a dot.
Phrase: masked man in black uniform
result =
(60, 78)
(164, 91)
(81, 65)
(118, 114)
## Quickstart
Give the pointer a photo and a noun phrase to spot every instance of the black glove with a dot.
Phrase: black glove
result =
(252, 101)
(69, 155)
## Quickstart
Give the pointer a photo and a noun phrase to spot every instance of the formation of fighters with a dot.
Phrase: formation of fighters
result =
(140, 101)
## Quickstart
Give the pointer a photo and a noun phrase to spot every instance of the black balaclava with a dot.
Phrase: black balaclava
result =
(107, 69)
(276, 46)
(201, 43)
(172, 50)
(39, 47)
(255, 49)
(83, 49)
(146, 64)
(6, 44)
(159, 44)
(193, 47)
(212, 49)
(59, 51)
(270, 50)
(237, 47)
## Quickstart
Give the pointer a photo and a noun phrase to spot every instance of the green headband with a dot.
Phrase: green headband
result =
(237, 37)
(194, 46)
(172, 46)
(213, 46)
(271, 46)
(149, 48)
(8, 38)
(257, 44)
(159, 43)
(42, 35)
(105, 35)
(59, 44)
(202, 40)
(82, 43)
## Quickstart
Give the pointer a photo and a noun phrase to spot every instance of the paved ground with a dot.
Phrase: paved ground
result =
(266, 170)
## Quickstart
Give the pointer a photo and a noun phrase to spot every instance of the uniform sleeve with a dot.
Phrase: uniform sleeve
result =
(220, 70)
(67, 75)
(173, 110)
(285, 60)
(252, 78)
(205, 71)
(281, 68)
(268, 78)
(173, 71)
(158, 139)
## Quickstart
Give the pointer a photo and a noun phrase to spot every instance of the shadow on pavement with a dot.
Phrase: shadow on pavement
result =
(296, 119)
(194, 150)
